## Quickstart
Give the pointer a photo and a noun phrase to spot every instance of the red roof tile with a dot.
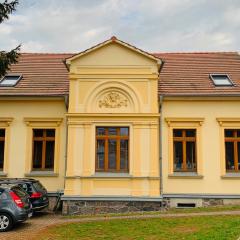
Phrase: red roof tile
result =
(181, 74)
(43, 74)
(188, 73)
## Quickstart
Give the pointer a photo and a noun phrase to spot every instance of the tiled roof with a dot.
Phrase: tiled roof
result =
(181, 74)
(43, 75)
(188, 73)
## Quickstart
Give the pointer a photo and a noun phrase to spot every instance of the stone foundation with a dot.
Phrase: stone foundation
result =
(198, 202)
(210, 202)
(72, 207)
(52, 204)
(92, 207)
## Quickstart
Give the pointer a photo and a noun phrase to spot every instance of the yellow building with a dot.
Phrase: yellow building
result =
(117, 129)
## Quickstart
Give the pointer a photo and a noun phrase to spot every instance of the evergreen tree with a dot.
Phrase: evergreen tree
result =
(7, 58)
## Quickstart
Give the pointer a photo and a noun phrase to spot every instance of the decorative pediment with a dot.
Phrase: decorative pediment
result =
(118, 43)
(113, 100)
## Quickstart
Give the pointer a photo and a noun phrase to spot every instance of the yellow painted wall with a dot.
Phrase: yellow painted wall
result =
(210, 145)
(19, 141)
(133, 77)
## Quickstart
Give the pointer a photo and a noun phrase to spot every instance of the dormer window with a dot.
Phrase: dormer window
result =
(10, 80)
(221, 80)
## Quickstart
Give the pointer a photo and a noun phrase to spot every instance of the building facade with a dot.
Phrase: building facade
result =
(117, 129)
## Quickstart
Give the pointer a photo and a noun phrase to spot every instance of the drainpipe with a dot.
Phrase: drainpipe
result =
(160, 143)
(66, 144)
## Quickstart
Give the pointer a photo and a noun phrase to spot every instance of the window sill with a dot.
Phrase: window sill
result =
(41, 174)
(111, 175)
(185, 175)
(231, 176)
(3, 174)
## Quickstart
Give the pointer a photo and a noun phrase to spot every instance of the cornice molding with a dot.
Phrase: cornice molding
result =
(53, 121)
(227, 121)
(6, 121)
(172, 121)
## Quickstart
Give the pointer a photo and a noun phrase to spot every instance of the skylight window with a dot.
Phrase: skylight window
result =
(10, 80)
(221, 80)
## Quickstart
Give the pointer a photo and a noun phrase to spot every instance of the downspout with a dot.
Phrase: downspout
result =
(60, 192)
(160, 143)
(160, 135)
(66, 143)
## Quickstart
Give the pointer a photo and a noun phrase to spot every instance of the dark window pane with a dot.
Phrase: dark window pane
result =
(238, 133)
(100, 154)
(190, 155)
(229, 152)
(2, 132)
(178, 156)
(101, 131)
(229, 133)
(124, 131)
(112, 149)
(177, 133)
(50, 132)
(112, 131)
(1, 154)
(49, 160)
(190, 133)
(37, 132)
(124, 154)
(37, 154)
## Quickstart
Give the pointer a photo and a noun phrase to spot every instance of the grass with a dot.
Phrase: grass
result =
(170, 211)
(174, 228)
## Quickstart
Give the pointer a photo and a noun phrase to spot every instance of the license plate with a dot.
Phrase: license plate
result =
(30, 215)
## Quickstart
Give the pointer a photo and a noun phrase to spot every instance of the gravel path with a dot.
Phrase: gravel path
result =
(31, 228)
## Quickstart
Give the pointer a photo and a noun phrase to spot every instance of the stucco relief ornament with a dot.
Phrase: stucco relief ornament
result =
(113, 100)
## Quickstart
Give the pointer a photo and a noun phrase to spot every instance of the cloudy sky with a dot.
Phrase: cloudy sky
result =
(153, 25)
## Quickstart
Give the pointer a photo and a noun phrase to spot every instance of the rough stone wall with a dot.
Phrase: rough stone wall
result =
(52, 204)
(212, 202)
(98, 207)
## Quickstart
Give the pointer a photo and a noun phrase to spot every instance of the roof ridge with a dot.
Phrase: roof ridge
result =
(46, 53)
(153, 53)
(213, 52)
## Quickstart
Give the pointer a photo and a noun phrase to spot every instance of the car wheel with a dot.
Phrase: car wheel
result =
(6, 222)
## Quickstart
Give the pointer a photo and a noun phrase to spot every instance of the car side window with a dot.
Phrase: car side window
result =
(29, 188)
(24, 186)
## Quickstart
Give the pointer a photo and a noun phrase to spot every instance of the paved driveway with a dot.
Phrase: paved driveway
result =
(28, 229)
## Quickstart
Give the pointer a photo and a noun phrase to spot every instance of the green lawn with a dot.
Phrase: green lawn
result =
(202, 228)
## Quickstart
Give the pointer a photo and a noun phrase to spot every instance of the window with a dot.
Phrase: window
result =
(184, 150)
(232, 150)
(2, 144)
(10, 80)
(43, 149)
(221, 80)
(112, 144)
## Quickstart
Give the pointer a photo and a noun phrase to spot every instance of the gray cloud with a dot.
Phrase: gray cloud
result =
(153, 25)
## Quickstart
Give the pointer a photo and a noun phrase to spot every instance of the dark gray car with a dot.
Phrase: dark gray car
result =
(36, 191)
(15, 206)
